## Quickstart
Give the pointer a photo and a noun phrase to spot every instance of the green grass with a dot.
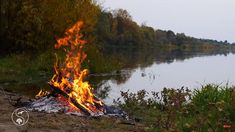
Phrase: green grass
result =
(23, 68)
(205, 109)
(30, 68)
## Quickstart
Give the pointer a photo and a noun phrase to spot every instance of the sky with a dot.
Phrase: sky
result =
(211, 19)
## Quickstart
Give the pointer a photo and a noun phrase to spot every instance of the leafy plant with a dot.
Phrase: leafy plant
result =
(205, 109)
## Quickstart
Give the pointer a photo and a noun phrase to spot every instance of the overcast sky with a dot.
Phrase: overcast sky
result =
(212, 19)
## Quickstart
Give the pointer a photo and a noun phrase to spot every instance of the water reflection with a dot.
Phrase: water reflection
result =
(154, 70)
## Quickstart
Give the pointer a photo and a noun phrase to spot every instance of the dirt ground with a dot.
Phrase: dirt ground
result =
(59, 122)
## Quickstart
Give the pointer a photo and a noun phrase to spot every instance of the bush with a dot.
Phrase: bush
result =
(205, 109)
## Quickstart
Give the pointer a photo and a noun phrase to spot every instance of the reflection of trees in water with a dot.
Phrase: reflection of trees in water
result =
(122, 77)
(132, 58)
(102, 89)
(233, 49)
(99, 81)
(118, 77)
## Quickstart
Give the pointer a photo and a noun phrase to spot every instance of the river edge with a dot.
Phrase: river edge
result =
(209, 109)
(59, 122)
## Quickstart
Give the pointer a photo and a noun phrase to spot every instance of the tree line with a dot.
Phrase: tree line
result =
(30, 27)
(35, 24)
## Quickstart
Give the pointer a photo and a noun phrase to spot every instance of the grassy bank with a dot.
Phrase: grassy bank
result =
(209, 109)
(25, 68)
(31, 68)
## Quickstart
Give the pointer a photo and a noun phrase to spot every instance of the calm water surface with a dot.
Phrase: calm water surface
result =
(191, 73)
(153, 71)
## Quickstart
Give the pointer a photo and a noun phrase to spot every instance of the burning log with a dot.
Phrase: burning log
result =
(73, 101)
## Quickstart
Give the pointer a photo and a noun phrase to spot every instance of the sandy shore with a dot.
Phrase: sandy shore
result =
(58, 122)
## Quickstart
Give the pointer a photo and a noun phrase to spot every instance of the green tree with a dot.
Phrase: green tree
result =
(27, 24)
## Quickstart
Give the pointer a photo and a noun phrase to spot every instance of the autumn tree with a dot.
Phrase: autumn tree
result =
(34, 24)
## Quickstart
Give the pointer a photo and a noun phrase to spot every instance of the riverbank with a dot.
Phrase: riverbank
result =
(59, 122)
(209, 109)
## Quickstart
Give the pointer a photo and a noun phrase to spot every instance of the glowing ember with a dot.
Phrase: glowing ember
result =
(69, 76)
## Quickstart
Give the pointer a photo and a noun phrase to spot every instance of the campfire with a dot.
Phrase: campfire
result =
(70, 92)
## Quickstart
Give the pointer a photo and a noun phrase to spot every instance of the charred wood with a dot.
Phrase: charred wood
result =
(72, 100)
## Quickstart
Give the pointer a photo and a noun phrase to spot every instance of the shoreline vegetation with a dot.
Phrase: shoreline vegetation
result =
(29, 30)
(210, 108)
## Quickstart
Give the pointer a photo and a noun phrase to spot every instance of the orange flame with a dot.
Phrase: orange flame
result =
(41, 93)
(69, 76)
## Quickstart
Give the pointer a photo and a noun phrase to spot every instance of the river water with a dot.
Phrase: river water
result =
(191, 72)
(153, 71)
